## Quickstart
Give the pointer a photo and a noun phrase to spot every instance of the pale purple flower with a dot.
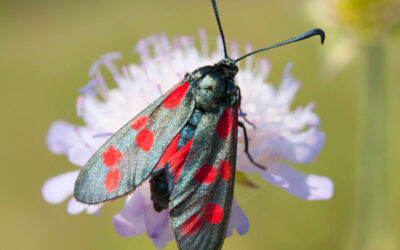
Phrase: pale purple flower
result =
(280, 134)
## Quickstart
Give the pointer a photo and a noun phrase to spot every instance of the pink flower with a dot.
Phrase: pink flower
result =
(280, 134)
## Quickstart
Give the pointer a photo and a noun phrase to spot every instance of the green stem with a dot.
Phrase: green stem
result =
(371, 193)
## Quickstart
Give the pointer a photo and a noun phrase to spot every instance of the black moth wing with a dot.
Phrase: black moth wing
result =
(201, 199)
(130, 155)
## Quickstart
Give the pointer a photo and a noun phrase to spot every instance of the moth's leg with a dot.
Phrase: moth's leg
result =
(246, 147)
(245, 119)
(241, 111)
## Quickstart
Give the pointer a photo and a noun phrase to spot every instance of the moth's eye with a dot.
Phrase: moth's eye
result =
(211, 88)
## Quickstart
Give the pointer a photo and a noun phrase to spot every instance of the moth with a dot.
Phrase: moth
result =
(185, 144)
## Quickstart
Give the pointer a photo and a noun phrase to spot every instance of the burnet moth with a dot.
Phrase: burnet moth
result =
(185, 144)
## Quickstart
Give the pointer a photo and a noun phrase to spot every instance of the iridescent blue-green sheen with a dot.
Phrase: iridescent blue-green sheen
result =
(211, 91)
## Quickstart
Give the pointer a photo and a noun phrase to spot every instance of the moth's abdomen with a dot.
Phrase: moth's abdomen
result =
(160, 190)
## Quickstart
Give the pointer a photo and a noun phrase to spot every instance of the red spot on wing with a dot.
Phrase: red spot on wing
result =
(112, 180)
(213, 213)
(145, 140)
(225, 170)
(206, 174)
(225, 123)
(178, 160)
(191, 225)
(175, 98)
(139, 122)
(111, 156)
(169, 152)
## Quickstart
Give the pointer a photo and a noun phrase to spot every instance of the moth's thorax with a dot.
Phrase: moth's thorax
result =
(215, 84)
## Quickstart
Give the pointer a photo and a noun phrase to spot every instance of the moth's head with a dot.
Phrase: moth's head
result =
(215, 83)
(228, 67)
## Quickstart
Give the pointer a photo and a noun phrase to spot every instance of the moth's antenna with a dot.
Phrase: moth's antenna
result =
(219, 26)
(292, 40)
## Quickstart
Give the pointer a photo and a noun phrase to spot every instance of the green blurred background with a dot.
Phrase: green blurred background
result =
(46, 49)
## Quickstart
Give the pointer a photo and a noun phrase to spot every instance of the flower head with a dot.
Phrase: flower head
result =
(352, 23)
(280, 134)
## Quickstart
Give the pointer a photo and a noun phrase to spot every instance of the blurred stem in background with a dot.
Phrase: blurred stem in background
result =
(371, 193)
(359, 31)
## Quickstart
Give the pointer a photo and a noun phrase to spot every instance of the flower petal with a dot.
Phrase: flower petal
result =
(308, 187)
(155, 221)
(139, 215)
(157, 226)
(75, 207)
(134, 204)
(64, 138)
(61, 137)
(105, 60)
(296, 147)
(57, 189)
(93, 209)
(165, 236)
(130, 220)
(300, 119)
(79, 155)
(288, 88)
(305, 146)
(128, 226)
(238, 220)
